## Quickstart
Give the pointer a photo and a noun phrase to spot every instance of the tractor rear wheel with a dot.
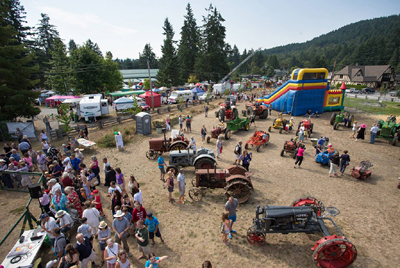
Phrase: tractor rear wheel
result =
(394, 141)
(335, 126)
(216, 114)
(178, 146)
(280, 131)
(227, 134)
(264, 114)
(196, 194)
(309, 201)
(282, 152)
(173, 169)
(294, 154)
(247, 127)
(351, 121)
(208, 139)
(151, 154)
(204, 163)
(258, 148)
(255, 237)
(194, 182)
(337, 252)
(333, 118)
(221, 115)
(249, 111)
(238, 189)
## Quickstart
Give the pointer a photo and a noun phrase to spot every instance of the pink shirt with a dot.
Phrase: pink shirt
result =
(28, 160)
(300, 152)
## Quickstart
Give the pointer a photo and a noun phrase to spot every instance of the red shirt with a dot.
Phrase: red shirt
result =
(139, 215)
(97, 200)
(67, 182)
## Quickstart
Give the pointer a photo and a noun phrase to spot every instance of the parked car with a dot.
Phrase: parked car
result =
(367, 91)
(393, 93)
(145, 107)
(204, 96)
(352, 91)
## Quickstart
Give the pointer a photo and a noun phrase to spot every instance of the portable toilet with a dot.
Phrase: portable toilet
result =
(143, 123)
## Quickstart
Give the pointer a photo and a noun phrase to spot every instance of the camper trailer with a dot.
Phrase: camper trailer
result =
(187, 95)
(219, 89)
(92, 106)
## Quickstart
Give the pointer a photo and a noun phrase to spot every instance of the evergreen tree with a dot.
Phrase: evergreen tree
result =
(147, 54)
(168, 74)
(15, 72)
(188, 45)
(273, 62)
(212, 61)
(72, 46)
(111, 77)
(16, 18)
(95, 47)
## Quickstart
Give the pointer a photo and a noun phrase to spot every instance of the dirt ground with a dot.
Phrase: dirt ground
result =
(369, 209)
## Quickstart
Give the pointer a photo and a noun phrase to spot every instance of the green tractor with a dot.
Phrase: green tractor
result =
(388, 130)
(336, 119)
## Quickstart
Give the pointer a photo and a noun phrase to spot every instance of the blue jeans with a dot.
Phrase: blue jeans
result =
(233, 219)
(373, 136)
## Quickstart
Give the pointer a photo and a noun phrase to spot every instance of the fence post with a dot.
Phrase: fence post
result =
(101, 124)
(119, 120)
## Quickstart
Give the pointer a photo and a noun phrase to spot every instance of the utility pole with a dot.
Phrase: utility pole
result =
(333, 72)
(151, 85)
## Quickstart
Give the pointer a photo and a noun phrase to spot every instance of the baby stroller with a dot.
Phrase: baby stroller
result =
(324, 157)
(52, 151)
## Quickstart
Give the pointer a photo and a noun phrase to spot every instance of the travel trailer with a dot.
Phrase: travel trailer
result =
(92, 106)
(187, 95)
(219, 89)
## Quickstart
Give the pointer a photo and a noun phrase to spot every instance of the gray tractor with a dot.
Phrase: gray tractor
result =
(203, 159)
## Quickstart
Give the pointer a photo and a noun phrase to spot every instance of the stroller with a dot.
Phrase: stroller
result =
(52, 151)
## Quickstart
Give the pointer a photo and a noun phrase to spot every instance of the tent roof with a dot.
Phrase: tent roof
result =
(60, 97)
(148, 94)
(119, 93)
(123, 100)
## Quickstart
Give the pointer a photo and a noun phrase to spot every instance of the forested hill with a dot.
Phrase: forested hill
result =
(368, 42)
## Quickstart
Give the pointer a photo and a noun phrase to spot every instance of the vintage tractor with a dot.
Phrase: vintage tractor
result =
(235, 180)
(158, 145)
(361, 171)
(388, 130)
(257, 140)
(279, 123)
(219, 130)
(227, 112)
(204, 158)
(307, 125)
(257, 109)
(336, 119)
(305, 216)
(290, 147)
(238, 123)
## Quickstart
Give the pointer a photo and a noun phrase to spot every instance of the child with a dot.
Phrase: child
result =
(83, 194)
(226, 226)
(128, 216)
(85, 229)
(97, 202)
(152, 223)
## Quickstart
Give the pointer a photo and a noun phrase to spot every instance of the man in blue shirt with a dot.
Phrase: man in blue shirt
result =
(152, 223)
(24, 147)
(15, 155)
(75, 162)
(160, 162)
(321, 141)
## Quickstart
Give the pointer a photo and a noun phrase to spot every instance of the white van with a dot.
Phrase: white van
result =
(187, 95)
(92, 106)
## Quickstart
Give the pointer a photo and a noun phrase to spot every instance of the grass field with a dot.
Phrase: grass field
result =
(373, 106)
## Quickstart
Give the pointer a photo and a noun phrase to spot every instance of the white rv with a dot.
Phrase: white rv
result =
(219, 89)
(92, 106)
(187, 95)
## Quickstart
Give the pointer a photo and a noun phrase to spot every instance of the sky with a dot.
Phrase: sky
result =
(125, 26)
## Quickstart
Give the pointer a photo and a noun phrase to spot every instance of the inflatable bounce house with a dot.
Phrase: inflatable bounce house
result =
(308, 89)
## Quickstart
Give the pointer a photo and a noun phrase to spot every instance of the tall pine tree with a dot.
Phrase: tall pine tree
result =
(147, 54)
(168, 74)
(188, 45)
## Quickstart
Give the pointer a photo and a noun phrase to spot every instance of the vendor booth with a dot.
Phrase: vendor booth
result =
(147, 97)
(53, 101)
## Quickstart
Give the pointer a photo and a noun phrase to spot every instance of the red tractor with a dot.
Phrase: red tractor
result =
(161, 145)
(257, 109)
(290, 147)
(227, 112)
(219, 130)
(257, 140)
(361, 171)
(307, 125)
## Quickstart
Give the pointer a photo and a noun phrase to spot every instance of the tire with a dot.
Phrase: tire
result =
(178, 146)
(311, 127)
(264, 114)
(299, 125)
(297, 132)
(333, 117)
(282, 152)
(394, 141)
(216, 114)
(258, 148)
(208, 139)
(235, 113)
(294, 154)
(221, 115)
(249, 111)
(247, 127)
(269, 129)
(350, 122)
(174, 170)
(335, 126)
(227, 134)
(273, 123)
(280, 131)
(204, 163)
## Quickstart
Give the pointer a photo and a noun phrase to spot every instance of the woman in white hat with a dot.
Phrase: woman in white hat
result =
(103, 235)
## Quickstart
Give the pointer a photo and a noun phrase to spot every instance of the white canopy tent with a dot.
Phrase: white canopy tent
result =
(123, 103)
(72, 100)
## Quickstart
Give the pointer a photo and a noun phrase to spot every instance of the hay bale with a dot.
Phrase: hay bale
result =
(156, 122)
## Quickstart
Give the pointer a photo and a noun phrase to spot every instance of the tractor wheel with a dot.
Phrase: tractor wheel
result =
(204, 163)
(255, 237)
(335, 126)
(249, 111)
(264, 114)
(378, 124)
(351, 121)
(267, 142)
(221, 115)
(239, 190)
(227, 134)
(299, 125)
(269, 129)
(294, 154)
(235, 113)
(282, 152)
(297, 132)
(194, 182)
(333, 117)
(244, 113)
(151, 154)
(216, 114)
(309, 134)
(173, 169)
(196, 194)
(246, 146)
(336, 252)
(208, 139)
(311, 127)
(280, 131)
(258, 148)
(178, 146)
(309, 201)
(394, 141)
(247, 127)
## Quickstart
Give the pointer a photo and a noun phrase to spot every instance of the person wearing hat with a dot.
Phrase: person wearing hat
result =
(182, 185)
(64, 220)
(5, 158)
(103, 235)
(48, 224)
(79, 154)
(24, 147)
(330, 148)
(120, 227)
(152, 223)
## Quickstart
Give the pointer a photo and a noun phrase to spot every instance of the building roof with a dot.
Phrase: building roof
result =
(368, 73)
(138, 73)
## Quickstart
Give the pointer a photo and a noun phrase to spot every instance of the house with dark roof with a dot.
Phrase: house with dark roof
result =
(372, 76)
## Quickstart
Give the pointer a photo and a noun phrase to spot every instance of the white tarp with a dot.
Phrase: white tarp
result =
(27, 128)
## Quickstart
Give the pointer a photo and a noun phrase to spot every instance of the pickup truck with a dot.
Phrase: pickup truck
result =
(367, 91)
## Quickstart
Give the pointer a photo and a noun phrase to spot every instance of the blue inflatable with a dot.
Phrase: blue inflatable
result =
(324, 157)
